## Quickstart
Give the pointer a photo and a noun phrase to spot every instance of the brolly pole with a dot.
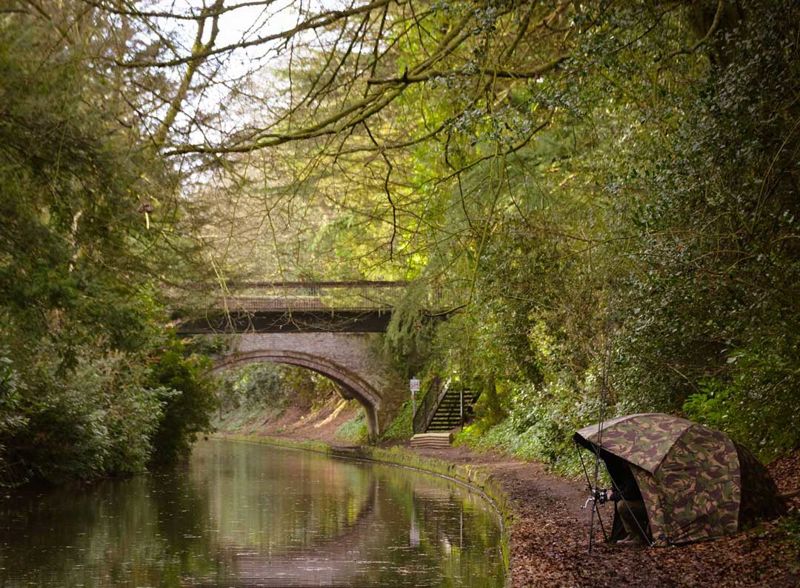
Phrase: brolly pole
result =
(594, 496)
(591, 526)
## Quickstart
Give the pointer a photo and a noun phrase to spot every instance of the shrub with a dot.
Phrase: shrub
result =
(187, 399)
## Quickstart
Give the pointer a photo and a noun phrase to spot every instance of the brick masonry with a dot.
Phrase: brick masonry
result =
(353, 360)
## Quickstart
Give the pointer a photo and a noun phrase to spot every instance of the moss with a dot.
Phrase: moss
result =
(401, 428)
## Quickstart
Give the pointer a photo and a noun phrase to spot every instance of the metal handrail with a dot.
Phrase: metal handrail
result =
(430, 402)
(311, 296)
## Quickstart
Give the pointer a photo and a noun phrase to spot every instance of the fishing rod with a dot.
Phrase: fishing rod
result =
(599, 497)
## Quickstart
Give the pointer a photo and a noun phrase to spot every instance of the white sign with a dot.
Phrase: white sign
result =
(413, 384)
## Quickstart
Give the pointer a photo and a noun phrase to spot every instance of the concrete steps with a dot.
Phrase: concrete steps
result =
(432, 440)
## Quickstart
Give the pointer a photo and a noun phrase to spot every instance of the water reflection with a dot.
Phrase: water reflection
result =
(253, 515)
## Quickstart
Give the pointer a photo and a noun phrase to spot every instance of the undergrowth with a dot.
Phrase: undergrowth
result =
(790, 524)
(355, 430)
(561, 456)
(402, 426)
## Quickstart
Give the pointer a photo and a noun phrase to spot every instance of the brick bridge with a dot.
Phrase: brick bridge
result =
(332, 328)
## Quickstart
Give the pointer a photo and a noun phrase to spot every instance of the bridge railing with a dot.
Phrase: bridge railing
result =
(362, 296)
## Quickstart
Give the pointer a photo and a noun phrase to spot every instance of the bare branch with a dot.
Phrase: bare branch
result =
(198, 49)
(533, 73)
(317, 21)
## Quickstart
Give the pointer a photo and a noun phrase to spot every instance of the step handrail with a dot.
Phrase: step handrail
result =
(430, 402)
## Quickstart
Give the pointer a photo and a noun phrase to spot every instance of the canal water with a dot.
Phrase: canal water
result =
(242, 514)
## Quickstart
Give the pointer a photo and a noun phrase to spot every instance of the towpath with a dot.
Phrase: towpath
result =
(549, 538)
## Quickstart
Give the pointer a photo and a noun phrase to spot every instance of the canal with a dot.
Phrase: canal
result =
(241, 514)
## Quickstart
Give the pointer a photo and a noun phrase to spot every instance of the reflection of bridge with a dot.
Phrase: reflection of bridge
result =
(332, 328)
(406, 524)
(319, 560)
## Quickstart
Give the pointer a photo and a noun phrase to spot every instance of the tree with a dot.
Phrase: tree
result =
(603, 191)
(81, 268)
(187, 399)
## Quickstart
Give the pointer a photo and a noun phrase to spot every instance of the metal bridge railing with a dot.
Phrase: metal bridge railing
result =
(360, 296)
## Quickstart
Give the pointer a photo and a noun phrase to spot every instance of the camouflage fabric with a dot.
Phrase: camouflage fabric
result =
(760, 499)
(651, 495)
(695, 482)
(641, 439)
(700, 488)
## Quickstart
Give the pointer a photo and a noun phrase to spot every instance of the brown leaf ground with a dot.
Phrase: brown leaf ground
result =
(549, 538)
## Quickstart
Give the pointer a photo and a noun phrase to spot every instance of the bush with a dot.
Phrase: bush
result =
(187, 399)
(94, 420)
(750, 404)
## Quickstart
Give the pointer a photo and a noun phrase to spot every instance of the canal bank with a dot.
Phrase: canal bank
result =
(546, 529)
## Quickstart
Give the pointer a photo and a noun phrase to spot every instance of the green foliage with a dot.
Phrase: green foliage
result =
(273, 386)
(539, 426)
(81, 317)
(92, 420)
(402, 427)
(408, 338)
(254, 385)
(11, 420)
(355, 430)
(713, 309)
(210, 345)
(750, 404)
(187, 398)
(640, 254)
(616, 234)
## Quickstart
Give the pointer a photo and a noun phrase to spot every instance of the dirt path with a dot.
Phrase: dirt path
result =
(299, 424)
(550, 535)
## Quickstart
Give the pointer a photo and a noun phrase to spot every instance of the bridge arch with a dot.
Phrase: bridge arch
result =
(352, 385)
(333, 328)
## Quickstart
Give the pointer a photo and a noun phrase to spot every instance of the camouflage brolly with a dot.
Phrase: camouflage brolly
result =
(696, 483)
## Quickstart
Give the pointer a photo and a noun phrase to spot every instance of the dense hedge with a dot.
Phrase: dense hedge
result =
(91, 381)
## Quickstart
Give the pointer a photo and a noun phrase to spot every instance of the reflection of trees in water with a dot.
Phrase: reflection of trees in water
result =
(241, 519)
(279, 501)
(412, 531)
(119, 531)
(358, 521)
(325, 560)
(448, 528)
(182, 522)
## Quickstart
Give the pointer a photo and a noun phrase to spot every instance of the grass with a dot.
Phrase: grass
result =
(355, 430)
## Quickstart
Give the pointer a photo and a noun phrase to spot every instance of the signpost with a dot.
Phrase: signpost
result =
(413, 385)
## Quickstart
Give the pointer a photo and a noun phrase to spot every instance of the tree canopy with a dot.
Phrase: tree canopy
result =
(90, 236)
(602, 194)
